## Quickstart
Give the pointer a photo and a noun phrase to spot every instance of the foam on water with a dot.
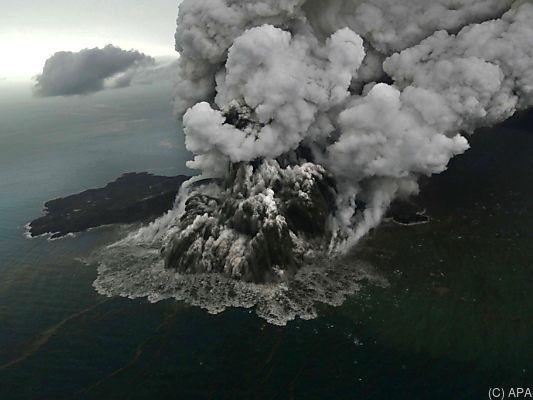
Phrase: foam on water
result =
(134, 268)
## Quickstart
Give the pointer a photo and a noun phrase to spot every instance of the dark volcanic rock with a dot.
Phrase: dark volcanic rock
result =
(257, 226)
(407, 213)
(134, 197)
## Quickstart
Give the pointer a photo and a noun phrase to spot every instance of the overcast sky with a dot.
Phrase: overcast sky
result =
(31, 31)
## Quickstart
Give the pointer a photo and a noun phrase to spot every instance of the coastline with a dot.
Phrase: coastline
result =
(131, 198)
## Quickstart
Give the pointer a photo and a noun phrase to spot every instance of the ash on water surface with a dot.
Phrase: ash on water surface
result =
(133, 270)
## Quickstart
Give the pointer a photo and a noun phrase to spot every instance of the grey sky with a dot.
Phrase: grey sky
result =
(30, 31)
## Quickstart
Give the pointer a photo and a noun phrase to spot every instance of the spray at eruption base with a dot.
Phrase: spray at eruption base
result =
(257, 226)
(314, 116)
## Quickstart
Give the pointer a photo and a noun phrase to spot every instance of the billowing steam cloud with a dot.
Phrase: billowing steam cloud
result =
(310, 117)
(66, 73)
(290, 69)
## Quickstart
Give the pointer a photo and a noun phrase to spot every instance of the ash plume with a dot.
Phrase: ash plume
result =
(68, 73)
(308, 118)
(293, 68)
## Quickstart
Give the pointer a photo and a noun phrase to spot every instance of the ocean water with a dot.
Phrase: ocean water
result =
(456, 319)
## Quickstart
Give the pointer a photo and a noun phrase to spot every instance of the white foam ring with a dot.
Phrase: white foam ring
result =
(137, 271)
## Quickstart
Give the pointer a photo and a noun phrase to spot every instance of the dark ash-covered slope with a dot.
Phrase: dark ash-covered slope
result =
(257, 226)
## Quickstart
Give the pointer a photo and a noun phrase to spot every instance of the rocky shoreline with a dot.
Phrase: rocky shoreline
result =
(133, 197)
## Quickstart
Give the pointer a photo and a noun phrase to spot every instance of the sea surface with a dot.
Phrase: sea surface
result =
(455, 321)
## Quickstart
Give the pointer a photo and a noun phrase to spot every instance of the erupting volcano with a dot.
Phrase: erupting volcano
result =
(306, 120)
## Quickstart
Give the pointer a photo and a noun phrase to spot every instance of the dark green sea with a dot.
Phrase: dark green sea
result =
(455, 321)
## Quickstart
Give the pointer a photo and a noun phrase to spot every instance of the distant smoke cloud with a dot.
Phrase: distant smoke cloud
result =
(90, 70)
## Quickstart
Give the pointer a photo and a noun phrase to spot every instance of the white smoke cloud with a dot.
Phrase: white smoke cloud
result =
(484, 72)
(288, 81)
(390, 25)
(90, 70)
(316, 115)
(299, 86)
